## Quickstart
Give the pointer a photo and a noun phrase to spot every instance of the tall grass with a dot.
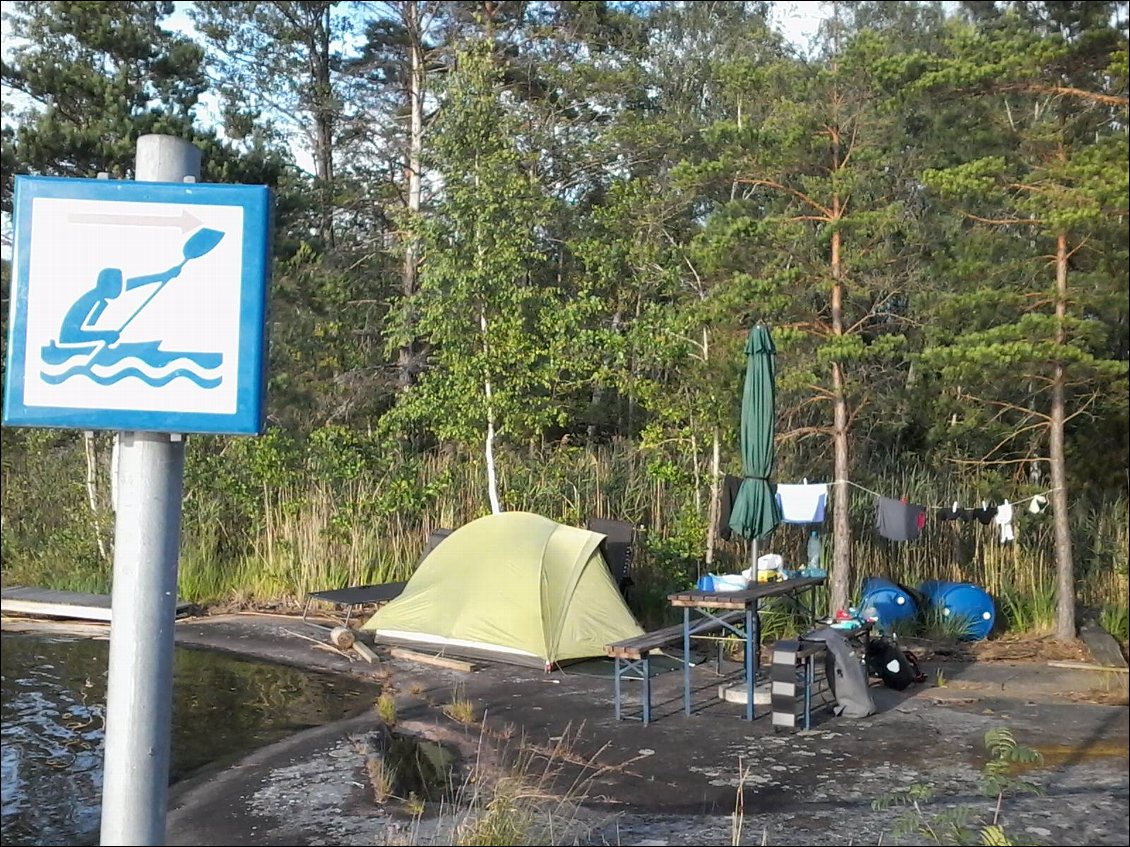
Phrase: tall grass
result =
(270, 526)
(47, 527)
(531, 799)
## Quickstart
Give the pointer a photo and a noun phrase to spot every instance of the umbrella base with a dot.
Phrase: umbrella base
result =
(762, 694)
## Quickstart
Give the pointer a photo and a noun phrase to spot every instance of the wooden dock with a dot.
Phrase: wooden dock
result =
(48, 603)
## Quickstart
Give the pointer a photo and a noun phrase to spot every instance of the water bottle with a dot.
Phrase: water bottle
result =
(813, 552)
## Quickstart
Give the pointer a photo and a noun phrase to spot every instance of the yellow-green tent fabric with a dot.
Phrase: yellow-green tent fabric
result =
(516, 586)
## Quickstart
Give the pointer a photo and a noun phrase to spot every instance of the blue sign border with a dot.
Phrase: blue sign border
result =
(251, 390)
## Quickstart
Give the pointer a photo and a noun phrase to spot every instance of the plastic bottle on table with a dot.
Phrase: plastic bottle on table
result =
(813, 552)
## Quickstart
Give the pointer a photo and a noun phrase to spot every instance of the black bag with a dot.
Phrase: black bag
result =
(897, 668)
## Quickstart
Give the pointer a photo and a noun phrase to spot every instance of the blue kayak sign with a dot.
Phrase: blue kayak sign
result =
(138, 306)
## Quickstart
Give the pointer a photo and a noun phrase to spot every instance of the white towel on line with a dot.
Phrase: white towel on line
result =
(802, 502)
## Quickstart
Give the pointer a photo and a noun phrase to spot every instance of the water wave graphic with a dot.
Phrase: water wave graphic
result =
(110, 379)
(149, 371)
(153, 371)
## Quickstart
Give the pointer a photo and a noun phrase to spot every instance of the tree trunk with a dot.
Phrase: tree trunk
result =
(633, 371)
(841, 521)
(841, 525)
(1064, 565)
(492, 476)
(407, 365)
(715, 497)
(325, 118)
(92, 496)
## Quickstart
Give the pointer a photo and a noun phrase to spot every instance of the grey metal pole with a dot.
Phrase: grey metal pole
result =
(146, 549)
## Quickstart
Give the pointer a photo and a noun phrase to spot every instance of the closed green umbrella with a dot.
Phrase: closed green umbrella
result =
(756, 513)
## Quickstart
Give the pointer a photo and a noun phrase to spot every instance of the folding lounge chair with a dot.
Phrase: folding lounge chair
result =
(617, 547)
(367, 595)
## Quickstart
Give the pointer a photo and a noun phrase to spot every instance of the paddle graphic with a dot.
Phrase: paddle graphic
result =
(200, 243)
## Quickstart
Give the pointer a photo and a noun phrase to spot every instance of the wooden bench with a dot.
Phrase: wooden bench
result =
(634, 654)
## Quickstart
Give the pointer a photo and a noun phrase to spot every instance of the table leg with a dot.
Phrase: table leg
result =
(616, 688)
(751, 640)
(646, 689)
(687, 659)
(809, 678)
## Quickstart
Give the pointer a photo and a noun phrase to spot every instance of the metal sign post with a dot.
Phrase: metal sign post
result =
(146, 549)
(139, 307)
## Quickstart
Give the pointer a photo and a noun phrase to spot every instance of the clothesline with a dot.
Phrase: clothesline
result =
(940, 508)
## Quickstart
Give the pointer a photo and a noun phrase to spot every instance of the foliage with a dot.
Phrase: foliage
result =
(963, 824)
(1115, 619)
(90, 78)
(490, 327)
(609, 195)
(1004, 755)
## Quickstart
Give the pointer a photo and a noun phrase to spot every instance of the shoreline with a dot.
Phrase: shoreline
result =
(678, 780)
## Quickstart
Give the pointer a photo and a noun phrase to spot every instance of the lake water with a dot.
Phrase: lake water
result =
(54, 696)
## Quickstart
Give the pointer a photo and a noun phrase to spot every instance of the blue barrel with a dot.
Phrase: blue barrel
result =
(891, 603)
(965, 601)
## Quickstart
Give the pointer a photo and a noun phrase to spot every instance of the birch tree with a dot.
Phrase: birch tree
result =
(482, 310)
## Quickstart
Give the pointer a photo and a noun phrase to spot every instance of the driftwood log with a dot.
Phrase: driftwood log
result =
(435, 661)
(342, 638)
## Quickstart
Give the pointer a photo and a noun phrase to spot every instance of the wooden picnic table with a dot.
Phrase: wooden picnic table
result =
(699, 605)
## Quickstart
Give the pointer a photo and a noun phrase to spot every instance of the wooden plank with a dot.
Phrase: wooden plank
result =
(88, 629)
(1086, 666)
(636, 651)
(49, 603)
(634, 648)
(712, 601)
(436, 661)
(38, 608)
(365, 652)
(740, 599)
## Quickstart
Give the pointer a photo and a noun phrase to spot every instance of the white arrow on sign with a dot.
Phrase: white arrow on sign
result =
(184, 221)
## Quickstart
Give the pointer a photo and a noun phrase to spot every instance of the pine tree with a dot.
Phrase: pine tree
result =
(86, 79)
(1033, 346)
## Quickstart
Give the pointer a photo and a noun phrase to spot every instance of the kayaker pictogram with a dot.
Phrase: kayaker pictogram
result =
(89, 340)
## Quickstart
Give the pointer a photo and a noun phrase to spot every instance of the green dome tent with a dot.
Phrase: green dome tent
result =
(514, 586)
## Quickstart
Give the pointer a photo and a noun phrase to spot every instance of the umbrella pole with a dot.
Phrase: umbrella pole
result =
(753, 551)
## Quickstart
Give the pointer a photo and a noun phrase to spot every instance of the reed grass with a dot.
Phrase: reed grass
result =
(382, 779)
(460, 708)
(267, 527)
